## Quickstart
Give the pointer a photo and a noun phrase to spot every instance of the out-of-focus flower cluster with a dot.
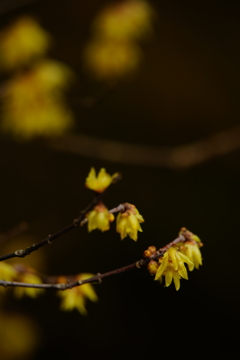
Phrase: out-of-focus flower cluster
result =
(20, 273)
(114, 51)
(172, 264)
(33, 101)
(71, 298)
(128, 219)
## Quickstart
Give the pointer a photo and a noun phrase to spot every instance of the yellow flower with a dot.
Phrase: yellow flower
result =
(172, 267)
(22, 42)
(107, 60)
(126, 20)
(34, 104)
(99, 218)
(7, 272)
(30, 278)
(191, 250)
(128, 222)
(101, 182)
(76, 297)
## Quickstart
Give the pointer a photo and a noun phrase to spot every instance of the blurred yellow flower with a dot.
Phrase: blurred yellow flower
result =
(34, 104)
(100, 182)
(99, 218)
(28, 277)
(7, 272)
(22, 42)
(128, 222)
(76, 297)
(172, 267)
(126, 20)
(109, 60)
(191, 250)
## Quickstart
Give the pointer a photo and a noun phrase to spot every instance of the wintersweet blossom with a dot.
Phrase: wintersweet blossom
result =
(100, 182)
(22, 42)
(127, 20)
(34, 103)
(7, 272)
(128, 222)
(191, 250)
(172, 267)
(31, 278)
(76, 297)
(108, 60)
(99, 218)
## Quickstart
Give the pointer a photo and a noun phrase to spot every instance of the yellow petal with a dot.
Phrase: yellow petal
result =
(163, 266)
(176, 279)
(168, 277)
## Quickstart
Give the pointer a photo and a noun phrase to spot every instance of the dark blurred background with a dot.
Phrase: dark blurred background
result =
(186, 89)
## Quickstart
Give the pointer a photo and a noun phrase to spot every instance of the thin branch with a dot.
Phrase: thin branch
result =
(176, 157)
(51, 237)
(98, 278)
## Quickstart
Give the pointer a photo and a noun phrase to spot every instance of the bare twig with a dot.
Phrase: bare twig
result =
(51, 237)
(175, 157)
(97, 278)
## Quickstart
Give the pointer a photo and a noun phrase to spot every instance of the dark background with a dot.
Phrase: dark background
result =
(186, 89)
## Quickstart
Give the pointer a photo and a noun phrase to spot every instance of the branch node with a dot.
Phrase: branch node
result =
(61, 286)
(99, 280)
(4, 283)
(49, 239)
(76, 222)
(20, 253)
(139, 264)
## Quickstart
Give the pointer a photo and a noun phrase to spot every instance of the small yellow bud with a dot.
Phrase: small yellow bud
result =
(147, 253)
(152, 249)
(101, 182)
(152, 267)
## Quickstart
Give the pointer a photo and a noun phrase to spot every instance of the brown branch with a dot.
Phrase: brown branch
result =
(175, 157)
(51, 237)
(97, 278)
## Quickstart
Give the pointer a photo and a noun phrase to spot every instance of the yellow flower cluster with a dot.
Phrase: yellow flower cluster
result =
(114, 52)
(76, 297)
(128, 222)
(171, 264)
(172, 267)
(33, 105)
(33, 102)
